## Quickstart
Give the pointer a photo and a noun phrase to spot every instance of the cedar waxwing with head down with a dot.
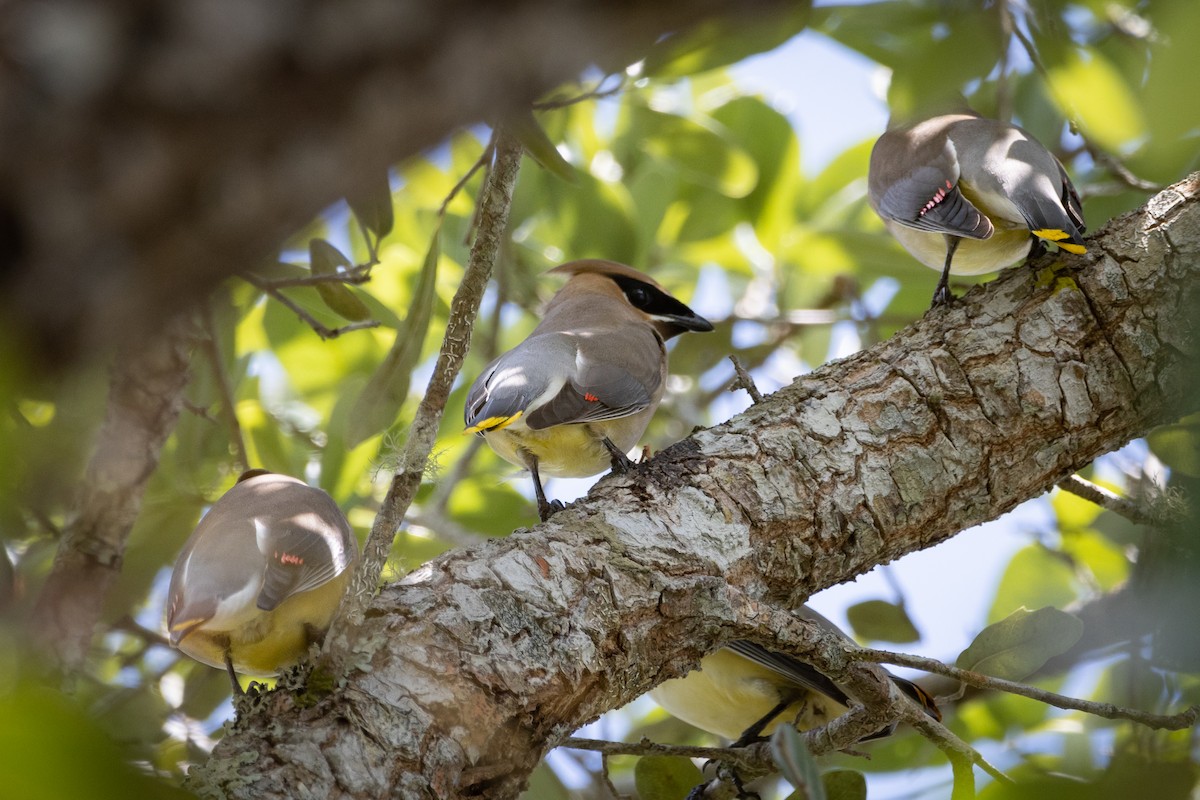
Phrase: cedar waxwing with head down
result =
(577, 394)
(260, 578)
(744, 692)
(969, 195)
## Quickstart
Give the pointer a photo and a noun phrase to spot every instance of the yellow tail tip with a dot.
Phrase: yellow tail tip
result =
(492, 424)
(1057, 236)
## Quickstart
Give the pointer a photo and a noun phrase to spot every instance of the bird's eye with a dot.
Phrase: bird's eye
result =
(638, 296)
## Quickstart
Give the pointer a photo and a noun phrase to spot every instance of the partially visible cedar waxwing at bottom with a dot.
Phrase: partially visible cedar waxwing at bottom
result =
(576, 395)
(968, 195)
(260, 578)
(745, 691)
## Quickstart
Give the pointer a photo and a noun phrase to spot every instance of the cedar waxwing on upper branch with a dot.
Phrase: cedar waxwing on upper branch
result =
(576, 395)
(744, 692)
(969, 195)
(260, 578)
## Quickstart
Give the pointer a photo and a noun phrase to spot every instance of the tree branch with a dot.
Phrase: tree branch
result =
(144, 400)
(1106, 499)
(494, 204)
(478, 662)
(1170, 722)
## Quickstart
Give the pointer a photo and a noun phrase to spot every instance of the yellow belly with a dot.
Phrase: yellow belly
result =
(568, 451)
(1006, 247)
(271, 640)
(729, 693)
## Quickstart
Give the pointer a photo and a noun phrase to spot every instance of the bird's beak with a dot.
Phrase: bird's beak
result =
(689, 322)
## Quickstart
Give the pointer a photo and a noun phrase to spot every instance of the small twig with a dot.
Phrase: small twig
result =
(213, 351)
(1106, 499)
(198, 411)
(372, 242)
(128, 624)
(308, 319)
(484, 159)
(356, 276)
(744, 381)
(1122, 172)
(753, 756)
(1172, 722)
(595, 93)
(607, 778)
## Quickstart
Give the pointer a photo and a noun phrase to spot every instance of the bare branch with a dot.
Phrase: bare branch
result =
(754, 756)
(494, 202)
(1171, 722)
(1106, 499)
(144, 400)
(598, 92)
(356, 276)
(484, 159)
(308, 319)
(744, 380)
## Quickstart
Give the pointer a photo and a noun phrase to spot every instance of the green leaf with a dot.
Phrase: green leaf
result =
(1035, 577)
(845, 784)
(545, 785)
(1072, 511)
(717, 42)
(52, 749)
(1108, 563)
(325, 259)
(381, 399)
(538, 145)
(665, 777)
(1018, 645)
(701, 151)
(1178, 445)
(373, 206)
(1092, 92)
(882, 621)
(796, 763)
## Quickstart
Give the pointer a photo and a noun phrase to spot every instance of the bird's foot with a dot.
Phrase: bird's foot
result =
(725, 774)
(621, 463)
(548, 508)
(942, 296)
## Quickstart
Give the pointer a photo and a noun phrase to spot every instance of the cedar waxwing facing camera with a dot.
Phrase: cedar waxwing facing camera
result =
(575, 396)
(745, 691)
(261, 576)
(968, 195)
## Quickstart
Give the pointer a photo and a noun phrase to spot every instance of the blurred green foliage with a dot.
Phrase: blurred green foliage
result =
(684, 175)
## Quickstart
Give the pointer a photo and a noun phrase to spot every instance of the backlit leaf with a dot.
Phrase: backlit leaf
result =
(1016, 646)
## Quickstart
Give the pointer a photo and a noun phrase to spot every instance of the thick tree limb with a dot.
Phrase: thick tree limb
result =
(478, 662)
(149, 149)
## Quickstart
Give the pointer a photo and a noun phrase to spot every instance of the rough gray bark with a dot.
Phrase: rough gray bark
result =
(149, 149)
(478, 662)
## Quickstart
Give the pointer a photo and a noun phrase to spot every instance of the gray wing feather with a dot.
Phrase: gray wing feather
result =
(789, 667)
(299, 559)
(928, 200)
(600, 392)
